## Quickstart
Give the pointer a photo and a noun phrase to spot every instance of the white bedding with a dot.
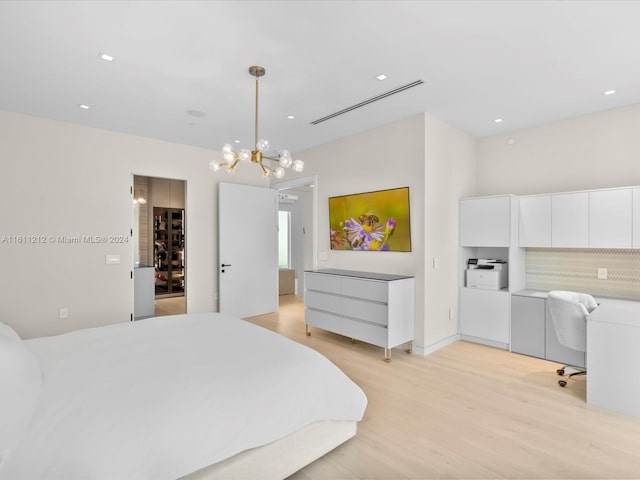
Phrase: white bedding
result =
(162, 397)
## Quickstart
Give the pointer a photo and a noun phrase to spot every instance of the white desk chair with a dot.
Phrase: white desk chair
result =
(569, 312)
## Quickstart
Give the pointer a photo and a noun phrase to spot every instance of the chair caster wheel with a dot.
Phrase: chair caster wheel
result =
(560, 371)
(562, 383)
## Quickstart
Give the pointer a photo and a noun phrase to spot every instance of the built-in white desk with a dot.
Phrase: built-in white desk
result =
(613, 356)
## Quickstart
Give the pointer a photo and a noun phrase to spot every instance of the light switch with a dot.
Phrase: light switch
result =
(323, 256)
(602, 273)
(112, 259)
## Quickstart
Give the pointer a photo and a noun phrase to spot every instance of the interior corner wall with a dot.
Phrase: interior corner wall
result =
(450, 174)
(598, 150)
(386, 157)
(62, 181)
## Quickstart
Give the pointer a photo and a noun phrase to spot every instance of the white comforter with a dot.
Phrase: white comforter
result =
(162, 397)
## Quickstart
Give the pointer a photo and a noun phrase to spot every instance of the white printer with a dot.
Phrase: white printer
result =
(487, 274)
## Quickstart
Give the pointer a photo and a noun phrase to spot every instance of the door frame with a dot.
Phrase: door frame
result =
(133, 247)
(305, 182)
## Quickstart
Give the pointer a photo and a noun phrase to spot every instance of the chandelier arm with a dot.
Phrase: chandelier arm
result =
(275, 159)
(271, 169)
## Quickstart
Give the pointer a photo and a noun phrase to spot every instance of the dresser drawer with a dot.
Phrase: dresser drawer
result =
(368, 311)
(322, 283)
(323, 301)
(365, 332)
(367, 289)
(322, 320)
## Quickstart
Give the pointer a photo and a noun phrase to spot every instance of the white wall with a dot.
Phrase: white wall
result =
(437, 163)
(76, 180)
(63, 179)
(450, 174)
(386, 157)
(590, 151)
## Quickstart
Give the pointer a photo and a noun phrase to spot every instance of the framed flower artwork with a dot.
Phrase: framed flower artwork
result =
(371, 221)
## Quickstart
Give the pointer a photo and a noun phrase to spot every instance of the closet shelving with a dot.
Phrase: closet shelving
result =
(168, 226)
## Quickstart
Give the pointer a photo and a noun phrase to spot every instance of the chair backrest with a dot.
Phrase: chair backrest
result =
(569, 312)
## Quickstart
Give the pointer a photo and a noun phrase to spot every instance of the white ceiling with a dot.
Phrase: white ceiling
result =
(528, 62)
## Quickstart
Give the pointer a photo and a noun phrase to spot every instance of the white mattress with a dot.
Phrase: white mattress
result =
(164, 397)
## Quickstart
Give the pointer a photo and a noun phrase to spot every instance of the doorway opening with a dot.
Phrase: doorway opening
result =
(296, 234)
(159, 241)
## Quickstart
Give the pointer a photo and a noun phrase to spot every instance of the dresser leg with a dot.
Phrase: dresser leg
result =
(354, 341)
(409, 347)
(306, 328)
(387, 355)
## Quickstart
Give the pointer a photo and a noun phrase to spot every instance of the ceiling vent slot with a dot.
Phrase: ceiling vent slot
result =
(367, 102)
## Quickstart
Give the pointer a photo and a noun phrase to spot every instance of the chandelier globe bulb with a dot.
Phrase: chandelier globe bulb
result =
(298, 166)
(245, 154)
(262, 145)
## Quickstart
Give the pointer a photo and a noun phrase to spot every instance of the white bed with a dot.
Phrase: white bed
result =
(196, 396)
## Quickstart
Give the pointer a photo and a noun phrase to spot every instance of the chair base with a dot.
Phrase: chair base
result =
(561, 371)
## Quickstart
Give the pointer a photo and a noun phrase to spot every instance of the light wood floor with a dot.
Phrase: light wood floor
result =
(170, 306)
(466, 411)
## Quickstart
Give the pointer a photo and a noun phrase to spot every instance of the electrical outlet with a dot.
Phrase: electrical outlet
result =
(436, 263)
(602, 273)
(63, 313)
(451, 314)
(322, 256)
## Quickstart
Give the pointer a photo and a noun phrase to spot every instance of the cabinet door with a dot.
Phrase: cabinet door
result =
(555, 351)
(528, 326)
(610, 218)
(484, 314)
(484, 222)
(636, 217)
(570, 220)
(534, 226)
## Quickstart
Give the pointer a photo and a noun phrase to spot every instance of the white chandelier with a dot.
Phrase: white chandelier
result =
(257, 155)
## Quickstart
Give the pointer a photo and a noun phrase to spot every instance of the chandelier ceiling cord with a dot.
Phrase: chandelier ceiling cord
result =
(258, 154)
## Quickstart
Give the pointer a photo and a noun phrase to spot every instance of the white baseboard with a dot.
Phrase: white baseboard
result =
(484, 341)
(435, 346)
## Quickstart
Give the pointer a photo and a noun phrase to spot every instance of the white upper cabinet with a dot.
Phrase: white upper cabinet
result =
(534, 224)
(636, 217)
(570, 220)
(610, 218)
(485, 221)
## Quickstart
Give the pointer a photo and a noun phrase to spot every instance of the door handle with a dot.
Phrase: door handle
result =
(224, 265)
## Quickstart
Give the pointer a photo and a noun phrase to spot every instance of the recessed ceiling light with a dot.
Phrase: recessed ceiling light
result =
(291, 117)
(236, 141)
(84, 107)
(106, 57)
(196, 113)
(382, 76)
(609, 92)
(498, 120)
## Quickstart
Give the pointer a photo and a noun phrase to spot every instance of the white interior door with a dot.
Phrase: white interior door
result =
(247, 250)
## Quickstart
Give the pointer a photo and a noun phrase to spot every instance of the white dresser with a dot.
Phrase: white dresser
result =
(376, 308)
